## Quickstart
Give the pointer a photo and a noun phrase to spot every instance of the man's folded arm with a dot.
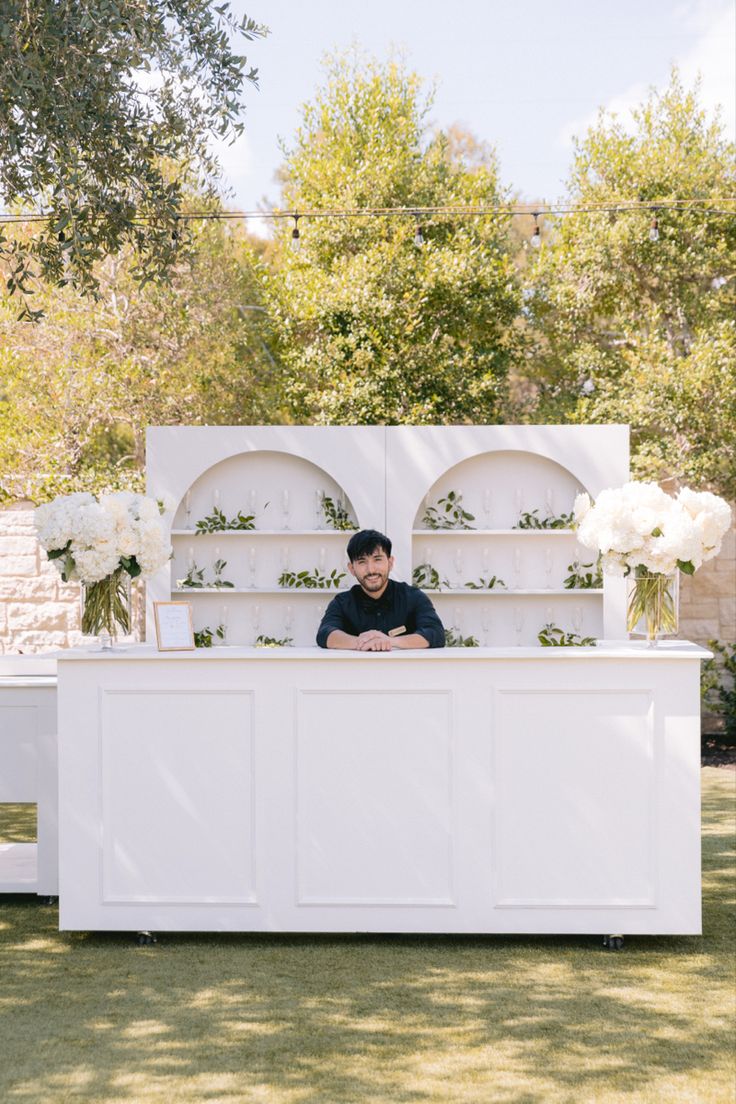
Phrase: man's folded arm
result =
(428, 623)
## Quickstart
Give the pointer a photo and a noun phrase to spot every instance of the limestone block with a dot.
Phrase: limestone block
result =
(37, 615)
(712, 584)
(35, 638)
(701, 609)
(17, 544)
(697, 630)
(18, 565)
(33, 587)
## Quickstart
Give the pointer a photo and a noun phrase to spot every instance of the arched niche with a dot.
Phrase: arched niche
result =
(281, 489)
(496, 486)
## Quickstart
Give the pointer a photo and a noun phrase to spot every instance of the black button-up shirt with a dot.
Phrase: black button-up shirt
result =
(356, 612)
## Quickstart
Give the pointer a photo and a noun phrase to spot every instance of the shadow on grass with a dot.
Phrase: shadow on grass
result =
(321, 1019)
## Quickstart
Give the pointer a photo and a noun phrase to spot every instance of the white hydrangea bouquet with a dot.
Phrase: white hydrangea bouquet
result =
(640, 530)
(104, 542)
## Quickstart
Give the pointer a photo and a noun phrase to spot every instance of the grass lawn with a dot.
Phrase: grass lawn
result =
(402, 1019)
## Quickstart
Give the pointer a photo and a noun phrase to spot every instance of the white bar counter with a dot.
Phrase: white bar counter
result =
(458, 790)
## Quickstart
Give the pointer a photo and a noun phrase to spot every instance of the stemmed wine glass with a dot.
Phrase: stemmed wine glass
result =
(456, 621)
(459, 566)
(322, 561)
(517, 569)
(487, 506)
(188, 510)
(318, 501)
(286, 507)
(548, 564)
(224, 617)
(252, 568)
(486, 561)
(577, 618)
(518, 623)
(485, 623)
(288, 620)
(255, 617)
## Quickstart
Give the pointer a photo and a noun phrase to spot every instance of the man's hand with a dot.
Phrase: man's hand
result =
(374, 641)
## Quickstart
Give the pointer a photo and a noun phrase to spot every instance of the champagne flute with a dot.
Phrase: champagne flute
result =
(486, 561)
(549, 501)
(459, 566)
(252, 567)
(288, 620)
(255, 617)
(224, 618)
(577, 618)
(318, 502)
(286, 507)
(322, 559)
(518, 623)
(456, 621)
(188, 510)
(252, 504)
(487, 506)
(485, 623)
(517, 568)
(548, 565)
(216, 499)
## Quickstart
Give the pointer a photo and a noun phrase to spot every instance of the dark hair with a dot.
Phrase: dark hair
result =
(365, 542)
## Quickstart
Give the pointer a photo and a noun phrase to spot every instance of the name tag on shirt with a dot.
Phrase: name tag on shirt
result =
(397, 631)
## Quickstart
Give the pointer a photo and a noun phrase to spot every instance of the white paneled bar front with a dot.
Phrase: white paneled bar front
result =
(485, 790)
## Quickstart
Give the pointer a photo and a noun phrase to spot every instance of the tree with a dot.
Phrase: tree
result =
(629, 329)
(80, 387)
(371, 328)
(106, 108)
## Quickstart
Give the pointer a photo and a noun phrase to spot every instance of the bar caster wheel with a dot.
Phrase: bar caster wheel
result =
(613, 942)
(145, 938)
(48, 899)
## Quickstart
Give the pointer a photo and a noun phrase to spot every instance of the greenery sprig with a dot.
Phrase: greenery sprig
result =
(336, 515)
(204, 638)
(580, 579)
(217, 522)
(457, 640)
(218, 581)
(551, 636)
(194, 578)
(530, 519)
(273, 641)
(427, 577)
(494, 583)
(451, 516)
(313, 580)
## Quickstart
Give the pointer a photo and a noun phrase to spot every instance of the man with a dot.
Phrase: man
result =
(378, 614)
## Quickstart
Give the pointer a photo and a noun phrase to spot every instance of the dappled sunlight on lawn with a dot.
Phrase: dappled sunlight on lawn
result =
(342, 1019)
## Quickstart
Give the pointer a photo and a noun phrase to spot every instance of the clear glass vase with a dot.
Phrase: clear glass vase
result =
(652, 605)
(106, 609)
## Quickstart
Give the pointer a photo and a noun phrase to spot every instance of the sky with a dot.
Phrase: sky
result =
(525, 76)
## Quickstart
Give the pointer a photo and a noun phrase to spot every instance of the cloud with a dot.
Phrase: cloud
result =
(710, 57)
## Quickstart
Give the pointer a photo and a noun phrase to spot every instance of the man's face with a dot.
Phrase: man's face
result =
(372, 571)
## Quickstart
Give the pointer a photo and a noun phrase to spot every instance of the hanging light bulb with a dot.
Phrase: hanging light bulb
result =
(654, 230)
(296, 241)
(418, 236)
(536, 239)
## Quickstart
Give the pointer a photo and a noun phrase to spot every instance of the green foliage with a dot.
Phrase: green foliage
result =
(89, 136)
(314, 580)
(371, 329)
(457, 640)
(551, 636)
(493, 583)
(194, 578)
(218, 567)
(625, 329)
(205, 638)
(336, 515)
(580, 579)
(427, 577)
(530, 519)
(450, 516)
(718, 686)
(274, 641)
(79, 388)
(216, 522)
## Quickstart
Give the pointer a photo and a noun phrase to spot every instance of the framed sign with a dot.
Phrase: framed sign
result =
(174, 627)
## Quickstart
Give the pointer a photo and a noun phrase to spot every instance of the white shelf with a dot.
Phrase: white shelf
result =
(551, 592)
(346, 533)
(493, 533)
(263, 590)
(18, 867)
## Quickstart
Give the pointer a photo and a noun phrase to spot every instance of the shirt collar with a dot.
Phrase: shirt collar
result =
(382, 603)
